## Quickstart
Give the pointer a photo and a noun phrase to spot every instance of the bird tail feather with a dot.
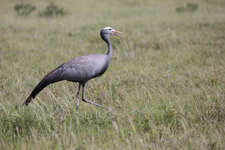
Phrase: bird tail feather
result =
(50, 78)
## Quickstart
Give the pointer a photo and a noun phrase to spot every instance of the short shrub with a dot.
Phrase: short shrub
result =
(52, 10)
(23, 9)
(189, 7)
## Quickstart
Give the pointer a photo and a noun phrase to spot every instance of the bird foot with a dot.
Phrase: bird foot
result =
(110, 109)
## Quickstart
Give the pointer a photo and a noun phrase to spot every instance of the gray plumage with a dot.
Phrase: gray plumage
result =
(80, 69)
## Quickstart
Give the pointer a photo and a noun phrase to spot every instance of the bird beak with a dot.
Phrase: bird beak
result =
(117, 33)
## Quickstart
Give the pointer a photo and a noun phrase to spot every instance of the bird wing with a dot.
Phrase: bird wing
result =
(83, 68)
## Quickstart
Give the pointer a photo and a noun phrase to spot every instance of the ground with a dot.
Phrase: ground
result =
(165, 83)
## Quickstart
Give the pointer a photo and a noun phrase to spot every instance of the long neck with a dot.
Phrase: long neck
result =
(106, 37)
(110, 50)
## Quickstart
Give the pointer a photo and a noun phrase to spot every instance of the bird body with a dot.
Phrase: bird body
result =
(84, 68)
(80, 69)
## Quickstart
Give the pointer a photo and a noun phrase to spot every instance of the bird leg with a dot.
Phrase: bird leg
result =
(90, 102)
(78, 97)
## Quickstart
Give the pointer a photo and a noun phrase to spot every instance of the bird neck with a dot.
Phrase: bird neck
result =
(110, 50)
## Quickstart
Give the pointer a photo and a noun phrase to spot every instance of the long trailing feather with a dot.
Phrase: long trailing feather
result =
(50, 78)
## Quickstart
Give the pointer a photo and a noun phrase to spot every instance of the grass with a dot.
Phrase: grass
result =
(166, 80)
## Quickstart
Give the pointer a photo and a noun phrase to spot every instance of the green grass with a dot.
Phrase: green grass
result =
(166, 80)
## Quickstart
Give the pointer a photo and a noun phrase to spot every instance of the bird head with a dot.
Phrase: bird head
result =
(109, 31)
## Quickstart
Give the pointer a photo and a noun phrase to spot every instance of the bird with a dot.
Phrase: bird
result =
(80, 69)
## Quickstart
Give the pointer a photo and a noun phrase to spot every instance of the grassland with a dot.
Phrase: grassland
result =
(166, 80)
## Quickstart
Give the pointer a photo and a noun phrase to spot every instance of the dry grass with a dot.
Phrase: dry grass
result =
(166, 80)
